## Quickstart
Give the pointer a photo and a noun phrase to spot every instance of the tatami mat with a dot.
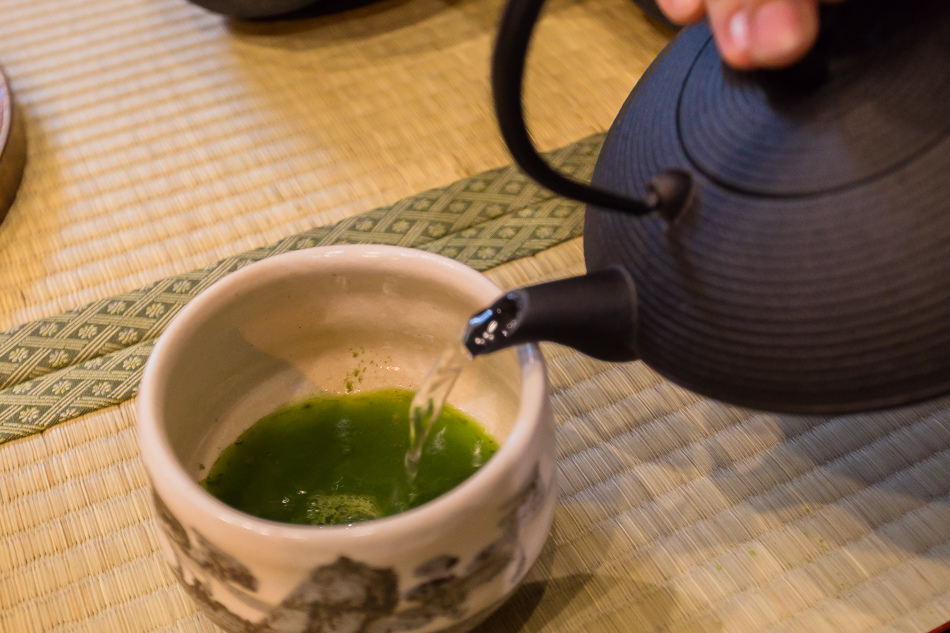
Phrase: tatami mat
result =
(162, 137)
(675, 513)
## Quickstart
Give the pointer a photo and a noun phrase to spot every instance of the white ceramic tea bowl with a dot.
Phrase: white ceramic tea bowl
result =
(338, 319)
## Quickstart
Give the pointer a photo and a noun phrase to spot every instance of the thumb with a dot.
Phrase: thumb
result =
(781, 31)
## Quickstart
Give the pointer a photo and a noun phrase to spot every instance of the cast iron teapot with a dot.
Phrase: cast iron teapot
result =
(779, 239)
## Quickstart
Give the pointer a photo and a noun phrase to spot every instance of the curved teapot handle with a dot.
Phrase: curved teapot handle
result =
(666, 193)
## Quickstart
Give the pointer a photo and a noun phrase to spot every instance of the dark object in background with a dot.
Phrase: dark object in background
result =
(12, 147)
(289, 9)
(264, 10)
(253, 9)
(787, 232)
(653, 12)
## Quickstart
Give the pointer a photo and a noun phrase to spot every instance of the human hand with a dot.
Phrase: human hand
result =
(753, 33)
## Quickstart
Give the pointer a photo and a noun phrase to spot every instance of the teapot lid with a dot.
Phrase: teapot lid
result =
(814, 276)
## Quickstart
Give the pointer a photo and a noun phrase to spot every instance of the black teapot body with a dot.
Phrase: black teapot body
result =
(779, 240)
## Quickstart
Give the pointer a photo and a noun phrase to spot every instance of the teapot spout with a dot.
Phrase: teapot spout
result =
(595, 314)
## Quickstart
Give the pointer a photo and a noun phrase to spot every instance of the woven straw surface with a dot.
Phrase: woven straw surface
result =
(163, 138)
(59, 367)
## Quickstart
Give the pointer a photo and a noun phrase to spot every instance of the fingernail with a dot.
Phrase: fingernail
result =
(776, 31)
(739, 31)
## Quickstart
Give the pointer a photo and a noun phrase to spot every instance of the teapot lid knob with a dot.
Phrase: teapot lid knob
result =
(672, 193)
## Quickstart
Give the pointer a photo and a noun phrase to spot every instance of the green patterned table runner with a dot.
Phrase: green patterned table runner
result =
(91, 357)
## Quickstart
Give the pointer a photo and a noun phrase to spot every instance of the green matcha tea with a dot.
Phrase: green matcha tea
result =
(333, 460)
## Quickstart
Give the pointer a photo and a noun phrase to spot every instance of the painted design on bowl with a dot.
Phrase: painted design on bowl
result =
(348, 596)
(202, 553)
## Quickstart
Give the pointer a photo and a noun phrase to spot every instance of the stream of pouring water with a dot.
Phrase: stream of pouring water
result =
(484, 330)
(428, 401)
